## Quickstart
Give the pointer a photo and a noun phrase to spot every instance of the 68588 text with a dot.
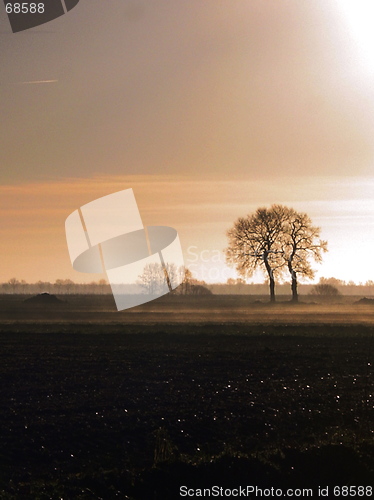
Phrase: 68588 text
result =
(25, 8)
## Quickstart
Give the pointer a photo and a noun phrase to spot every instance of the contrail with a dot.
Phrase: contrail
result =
(36, 82)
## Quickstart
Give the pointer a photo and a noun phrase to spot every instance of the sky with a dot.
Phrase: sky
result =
(207, 109)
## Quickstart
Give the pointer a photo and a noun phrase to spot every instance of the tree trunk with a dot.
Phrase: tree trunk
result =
(272, 289)
(295, 296)
(271, 279)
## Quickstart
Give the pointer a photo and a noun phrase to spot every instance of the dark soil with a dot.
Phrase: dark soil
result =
(139, 412)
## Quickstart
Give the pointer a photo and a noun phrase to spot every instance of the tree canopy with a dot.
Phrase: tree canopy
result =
(255, 241)
(301, 244)
(275, 239)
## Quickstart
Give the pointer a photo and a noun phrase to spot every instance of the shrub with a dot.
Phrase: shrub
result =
(325, 290)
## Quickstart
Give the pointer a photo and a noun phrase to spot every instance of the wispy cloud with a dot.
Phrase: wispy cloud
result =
(36, 82)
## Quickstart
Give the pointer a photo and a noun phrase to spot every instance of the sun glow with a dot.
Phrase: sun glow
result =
(359, 17)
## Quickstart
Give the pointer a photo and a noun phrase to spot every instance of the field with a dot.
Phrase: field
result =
(183, 391)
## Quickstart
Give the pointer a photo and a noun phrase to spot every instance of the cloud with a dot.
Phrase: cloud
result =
(36, 82)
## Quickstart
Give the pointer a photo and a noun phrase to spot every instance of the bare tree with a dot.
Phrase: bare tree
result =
(153, 278)
(255, 242)
(301, 243)
(13, 283)
(186, 282)
(275, 239)
(59, 284)
(40, 286)
(68, 285)
(171, 273)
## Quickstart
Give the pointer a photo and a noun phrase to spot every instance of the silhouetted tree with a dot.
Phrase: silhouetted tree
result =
(13, 283)
(301, 243)
(59, 284)
(255, 242)
(68, 285)
(275, 239)
(40, 286)
(185, 286)
(23, 285)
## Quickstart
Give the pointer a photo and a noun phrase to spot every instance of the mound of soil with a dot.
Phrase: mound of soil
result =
(44, 298)
(365, 300)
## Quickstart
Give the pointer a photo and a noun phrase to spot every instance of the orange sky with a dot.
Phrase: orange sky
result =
(206, 109)
(32, 218)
